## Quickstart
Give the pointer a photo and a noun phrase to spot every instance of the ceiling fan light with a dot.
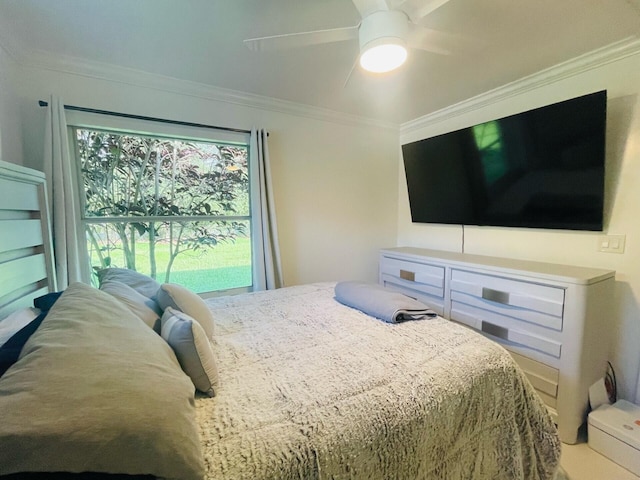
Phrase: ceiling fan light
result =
(383, 57)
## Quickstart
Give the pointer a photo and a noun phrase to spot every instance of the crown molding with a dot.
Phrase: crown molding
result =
(138, 78)
(134, 77)
(597, 58)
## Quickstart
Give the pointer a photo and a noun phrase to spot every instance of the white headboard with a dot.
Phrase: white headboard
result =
(26, 253)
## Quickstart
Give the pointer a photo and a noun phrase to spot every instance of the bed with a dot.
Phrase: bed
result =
(305, 387)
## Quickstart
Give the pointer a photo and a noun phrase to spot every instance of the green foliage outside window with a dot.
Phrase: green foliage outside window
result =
(162, 206)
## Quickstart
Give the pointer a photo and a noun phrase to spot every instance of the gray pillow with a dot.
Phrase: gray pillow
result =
(180, 298)
(141, 283)
(145, 308)
(192, 347)
(96, 390)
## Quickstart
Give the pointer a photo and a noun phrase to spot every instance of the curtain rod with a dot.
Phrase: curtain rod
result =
(42, 103)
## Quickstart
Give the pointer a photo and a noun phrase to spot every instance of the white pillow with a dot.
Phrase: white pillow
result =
(144, 308)
(192, 348)
(180, 298)
(10, 325)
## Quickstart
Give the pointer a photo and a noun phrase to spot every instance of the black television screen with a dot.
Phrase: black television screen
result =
(543, 168)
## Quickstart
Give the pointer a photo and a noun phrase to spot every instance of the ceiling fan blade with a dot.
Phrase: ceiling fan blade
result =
(353, 67)
(367, 7)
(302, 39)
(417, 10)
(442, 43)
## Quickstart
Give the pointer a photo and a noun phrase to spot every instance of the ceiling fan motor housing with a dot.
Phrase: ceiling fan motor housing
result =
(383, 27)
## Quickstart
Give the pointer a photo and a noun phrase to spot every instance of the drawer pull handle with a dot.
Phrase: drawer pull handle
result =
(407, 275)
(495, 295)
(495, 330)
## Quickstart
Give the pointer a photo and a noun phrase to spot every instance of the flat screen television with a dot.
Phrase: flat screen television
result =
(543, 168)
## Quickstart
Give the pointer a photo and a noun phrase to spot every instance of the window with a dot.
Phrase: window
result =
(176, 209)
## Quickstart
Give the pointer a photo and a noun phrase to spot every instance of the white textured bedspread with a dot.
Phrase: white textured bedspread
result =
(312, 389)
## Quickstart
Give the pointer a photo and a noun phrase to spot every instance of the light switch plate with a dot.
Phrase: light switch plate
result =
(611, 243)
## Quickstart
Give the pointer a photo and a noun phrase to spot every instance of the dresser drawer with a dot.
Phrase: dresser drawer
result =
(420, 277)
(530, 302)
(528, 340)
(543, 378)
(434, 302)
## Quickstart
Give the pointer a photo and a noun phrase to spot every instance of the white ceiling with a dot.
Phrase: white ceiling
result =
(496, 42)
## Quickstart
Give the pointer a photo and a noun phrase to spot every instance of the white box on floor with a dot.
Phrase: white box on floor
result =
(614, 431)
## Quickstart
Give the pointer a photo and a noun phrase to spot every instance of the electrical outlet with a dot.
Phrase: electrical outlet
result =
(611, 243)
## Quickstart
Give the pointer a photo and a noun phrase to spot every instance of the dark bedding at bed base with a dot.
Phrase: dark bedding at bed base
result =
(74, 476)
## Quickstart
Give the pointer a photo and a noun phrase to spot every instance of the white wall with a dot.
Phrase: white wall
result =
(10, 126)
(335, 204)
(622, 80)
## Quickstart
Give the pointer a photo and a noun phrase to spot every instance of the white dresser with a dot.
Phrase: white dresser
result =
(553, 319)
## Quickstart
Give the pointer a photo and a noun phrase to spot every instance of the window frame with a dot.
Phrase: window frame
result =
(99, 122)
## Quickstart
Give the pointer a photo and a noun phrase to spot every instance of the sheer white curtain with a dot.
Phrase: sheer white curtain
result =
(267, 270)
(67, 239)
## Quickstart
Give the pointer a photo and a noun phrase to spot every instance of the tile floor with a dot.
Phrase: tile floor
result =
(582, 463)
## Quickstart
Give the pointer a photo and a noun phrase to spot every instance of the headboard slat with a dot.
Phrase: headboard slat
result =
(22, 271)
(26, 254)
(18, 195)
(24, 299)
(17, 234)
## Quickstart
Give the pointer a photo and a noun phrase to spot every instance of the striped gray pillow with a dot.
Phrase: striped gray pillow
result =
(192, 348)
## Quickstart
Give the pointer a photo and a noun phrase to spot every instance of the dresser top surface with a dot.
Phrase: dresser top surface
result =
(567, 273)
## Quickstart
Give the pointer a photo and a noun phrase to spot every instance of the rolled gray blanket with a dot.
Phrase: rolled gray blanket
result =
(381, 302)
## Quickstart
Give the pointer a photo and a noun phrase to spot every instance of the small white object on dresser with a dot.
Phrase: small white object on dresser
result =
(553, 319)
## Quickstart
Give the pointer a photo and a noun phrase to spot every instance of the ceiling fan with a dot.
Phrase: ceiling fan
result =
(387, 28)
